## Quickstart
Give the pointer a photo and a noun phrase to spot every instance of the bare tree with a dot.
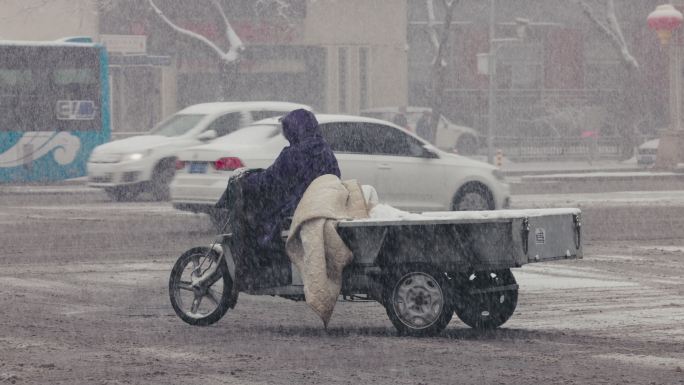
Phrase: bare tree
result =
(439, 38)
(229, 56)
(630, 100)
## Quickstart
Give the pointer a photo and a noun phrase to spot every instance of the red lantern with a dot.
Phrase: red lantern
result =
(665, 19)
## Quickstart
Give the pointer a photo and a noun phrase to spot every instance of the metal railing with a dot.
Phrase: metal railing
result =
(541, 148)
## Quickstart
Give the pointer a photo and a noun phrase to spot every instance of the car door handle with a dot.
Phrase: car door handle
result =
(384, 166)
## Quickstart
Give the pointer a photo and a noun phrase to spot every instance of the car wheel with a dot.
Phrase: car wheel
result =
(418, 301)
(466, 145)
(161, 178)
(122, 193)
(473, 197)
(487, 299)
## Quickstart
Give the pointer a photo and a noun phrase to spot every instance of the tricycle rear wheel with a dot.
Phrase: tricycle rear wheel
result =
(486, 299)
(197, 301)
(418, 301)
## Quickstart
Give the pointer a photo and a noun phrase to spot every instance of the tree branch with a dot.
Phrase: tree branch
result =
(449, 8)
(234, 40)
(281, 6)
(615, 25)
(432, 29)
(229, 56)
(612, 30)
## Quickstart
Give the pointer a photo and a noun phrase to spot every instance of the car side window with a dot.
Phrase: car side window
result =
(265, 114)
(226, 124)
(345, 137)
(386, 140)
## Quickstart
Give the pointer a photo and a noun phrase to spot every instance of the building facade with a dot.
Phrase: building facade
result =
(564, 77)
(338, 57)
(47, 20)
(344, 56)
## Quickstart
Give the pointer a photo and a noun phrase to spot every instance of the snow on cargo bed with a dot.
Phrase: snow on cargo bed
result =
(387, 215)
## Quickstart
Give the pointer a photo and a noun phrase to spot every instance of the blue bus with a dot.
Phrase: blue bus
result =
(54, 108)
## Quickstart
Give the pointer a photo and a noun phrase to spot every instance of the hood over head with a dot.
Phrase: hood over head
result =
(299, 125)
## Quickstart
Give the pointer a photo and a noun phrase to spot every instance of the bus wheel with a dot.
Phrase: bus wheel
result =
(122, 193)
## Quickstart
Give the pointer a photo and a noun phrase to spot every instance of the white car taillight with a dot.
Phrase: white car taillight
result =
(228, 164)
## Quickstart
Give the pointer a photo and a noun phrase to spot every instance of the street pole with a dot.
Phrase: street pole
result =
(676, 82)
(666, 20)
(491, 69)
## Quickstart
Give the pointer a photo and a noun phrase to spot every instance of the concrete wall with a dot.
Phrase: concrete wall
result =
(47, 20)
(376, 25)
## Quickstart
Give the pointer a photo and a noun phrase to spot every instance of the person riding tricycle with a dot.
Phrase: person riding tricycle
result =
(422, 268)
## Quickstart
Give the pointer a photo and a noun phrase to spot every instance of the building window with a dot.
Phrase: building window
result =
(342, 78)
(363, 77)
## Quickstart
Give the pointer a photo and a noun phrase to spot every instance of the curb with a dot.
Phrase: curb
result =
(523, 173)
(621, 176)
(67, 186)
(47, 190)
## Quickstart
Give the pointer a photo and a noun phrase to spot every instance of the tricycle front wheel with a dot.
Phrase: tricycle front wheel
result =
(418, 301)
(200, 287)
(486, 299)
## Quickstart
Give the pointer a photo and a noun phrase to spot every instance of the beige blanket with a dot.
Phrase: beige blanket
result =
(313, 244)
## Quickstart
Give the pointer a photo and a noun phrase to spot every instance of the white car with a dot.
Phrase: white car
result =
(124, 168)
(407, 172)
(449, 136)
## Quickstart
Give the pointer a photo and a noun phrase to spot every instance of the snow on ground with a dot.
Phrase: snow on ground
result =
(669, 249)
(540, 277)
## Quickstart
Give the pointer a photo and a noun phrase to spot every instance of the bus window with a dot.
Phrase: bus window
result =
(49, 88)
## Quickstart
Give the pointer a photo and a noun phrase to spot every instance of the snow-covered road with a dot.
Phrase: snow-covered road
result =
(83, 288)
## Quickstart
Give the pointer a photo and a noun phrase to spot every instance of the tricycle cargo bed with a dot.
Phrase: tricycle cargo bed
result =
(466, 240)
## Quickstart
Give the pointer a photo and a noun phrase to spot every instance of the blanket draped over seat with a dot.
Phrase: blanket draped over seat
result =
(314, 245)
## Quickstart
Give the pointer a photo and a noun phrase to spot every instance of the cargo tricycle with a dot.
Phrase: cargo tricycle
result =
(422, 270)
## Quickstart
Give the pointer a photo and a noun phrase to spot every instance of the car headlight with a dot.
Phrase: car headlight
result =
(135, 156)
(499, 175)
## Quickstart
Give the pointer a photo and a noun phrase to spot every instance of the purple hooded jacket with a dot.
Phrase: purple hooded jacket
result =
(279, 188)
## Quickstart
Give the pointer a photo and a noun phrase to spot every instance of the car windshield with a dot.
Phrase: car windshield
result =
(251, 134)
(177, 125)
